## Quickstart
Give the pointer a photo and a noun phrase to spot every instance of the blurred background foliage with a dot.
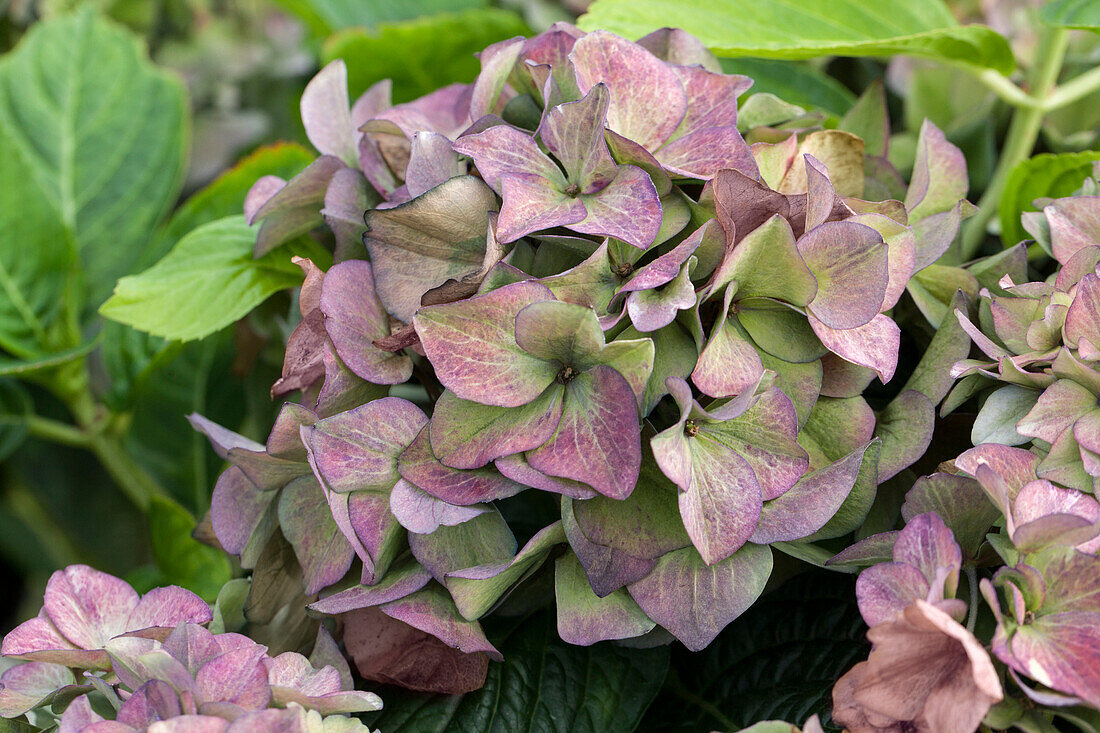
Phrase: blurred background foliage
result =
(244, 64)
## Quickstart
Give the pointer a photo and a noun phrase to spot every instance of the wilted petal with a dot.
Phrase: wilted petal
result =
(421, 244)
(695, 601)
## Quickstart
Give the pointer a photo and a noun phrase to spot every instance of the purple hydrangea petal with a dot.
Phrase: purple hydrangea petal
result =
(168, 607)
(851, 264)
(517, 468)
(1058, 408)
(695, 601)
(874, 344)
(295, 208)
(359, 449)
(467, 435)
(503, 150)
(88, 606)
(153, 701)
(532, 203)
(729, 363)
(573, 133)
(399, 582)
(607, 568)
(598, 440)
(307, 523)
(419, 466)
(767, 263)
(628, 208)
(24, 686)
(431, 610)
(432, 161)
(326, 113)
(354, 319)
(702, 153)
(884, 590)
(482, 540)
(239, 513)
(635, 78)
(585, 618)
(238, 677)
(472, 345)
(420, 512)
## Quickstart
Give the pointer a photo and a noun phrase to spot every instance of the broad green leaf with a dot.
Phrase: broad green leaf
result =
(1072, 14)
(778, 661)
(131, 356)
(1044, 176)
(793, 82)
(15, 406)
(326, 16)
(800, 29)
(208, 281)
(542, 685)
(424, 54)
(996, 420)
(101, 136)
(183, 560)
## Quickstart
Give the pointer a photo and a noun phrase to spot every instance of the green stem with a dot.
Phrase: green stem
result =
(1020, 141)
(56, 431)
(134, 481)
(972, 581)
(1074, 89)
(23, 505)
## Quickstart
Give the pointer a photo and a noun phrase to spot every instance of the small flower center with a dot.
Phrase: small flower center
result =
(1029, 617)
(624, 270)
(572, 190)
(691, 429)
(566, 375)
(907, 726)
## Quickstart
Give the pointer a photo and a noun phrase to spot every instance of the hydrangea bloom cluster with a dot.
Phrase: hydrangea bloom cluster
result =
(1041, 344)
(149, 664)
(579, 278)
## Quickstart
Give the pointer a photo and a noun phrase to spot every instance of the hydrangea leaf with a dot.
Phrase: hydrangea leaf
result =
(598, 440)
(475, 590)
(208, 281)
(468, 435)
(421, 244)
(1003, 410)
(359, 449)
(584, 618)
(472, 345)
(695, 601)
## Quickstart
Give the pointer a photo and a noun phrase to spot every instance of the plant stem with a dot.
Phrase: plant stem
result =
(1020, 141)
(56, 431)
(972, 581)
(134, 481)
(1074, 89)
(24, 506)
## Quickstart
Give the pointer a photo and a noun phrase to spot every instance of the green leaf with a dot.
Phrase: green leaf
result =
(101, 136)
(542, 685)
(1072, 14)
(801, 29)
(182, 559)
(15, 407)
(1045, 175)
(326, 16)
(16, 367)
(131, 356)
(208, 281)
(777, 662)
(424, 54)
(793, 82)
